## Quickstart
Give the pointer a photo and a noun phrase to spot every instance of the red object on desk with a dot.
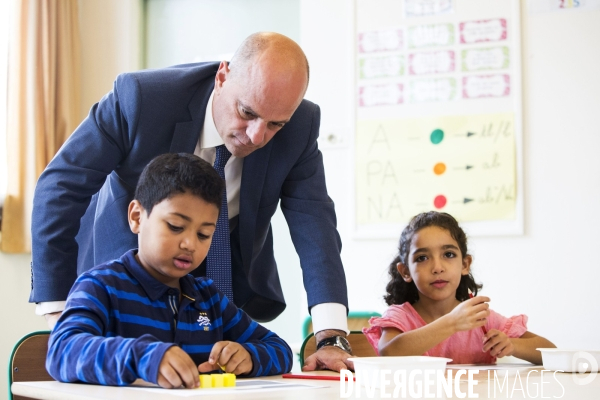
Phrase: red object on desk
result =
(483, 326)
(316, 377)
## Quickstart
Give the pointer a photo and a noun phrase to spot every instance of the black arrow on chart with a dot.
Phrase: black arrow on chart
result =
(469, 134)
(464, 201)
(468, 167)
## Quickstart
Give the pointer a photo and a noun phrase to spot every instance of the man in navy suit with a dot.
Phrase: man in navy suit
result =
(254, 106)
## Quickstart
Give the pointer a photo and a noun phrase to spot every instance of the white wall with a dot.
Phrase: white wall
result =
(551, 272)
(185, 31)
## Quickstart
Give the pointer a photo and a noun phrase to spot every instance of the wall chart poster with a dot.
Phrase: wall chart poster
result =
(463, 165)
(438, 113)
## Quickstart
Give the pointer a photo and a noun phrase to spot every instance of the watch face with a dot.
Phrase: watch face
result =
(343, 343)
(337, 341)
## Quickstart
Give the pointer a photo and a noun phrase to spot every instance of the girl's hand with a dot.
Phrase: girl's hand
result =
(498, 344)
(470, 313)
(231, 356)
(176, 369)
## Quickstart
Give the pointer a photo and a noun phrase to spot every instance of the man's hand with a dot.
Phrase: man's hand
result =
(52, 318)
(177, 368)
(328, 357)
(231, 356)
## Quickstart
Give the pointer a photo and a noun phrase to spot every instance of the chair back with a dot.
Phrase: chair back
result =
(28, 361)
(358, 341)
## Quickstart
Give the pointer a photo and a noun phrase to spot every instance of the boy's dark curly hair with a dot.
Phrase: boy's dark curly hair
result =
(400, 291)
(174, 173)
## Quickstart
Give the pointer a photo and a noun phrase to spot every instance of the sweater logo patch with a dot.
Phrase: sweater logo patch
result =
(204, 321)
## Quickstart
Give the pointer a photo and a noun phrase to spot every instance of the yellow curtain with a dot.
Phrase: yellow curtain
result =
(43, 103)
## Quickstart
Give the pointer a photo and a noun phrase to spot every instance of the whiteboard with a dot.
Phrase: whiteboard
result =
(438, 115)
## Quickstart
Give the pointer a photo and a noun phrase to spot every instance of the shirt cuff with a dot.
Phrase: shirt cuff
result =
(49, 307)
(329, 316)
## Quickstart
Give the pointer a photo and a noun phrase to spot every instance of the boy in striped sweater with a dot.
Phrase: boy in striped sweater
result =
(143, 315)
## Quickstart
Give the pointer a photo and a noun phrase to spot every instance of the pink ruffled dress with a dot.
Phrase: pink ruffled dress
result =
(463, 347)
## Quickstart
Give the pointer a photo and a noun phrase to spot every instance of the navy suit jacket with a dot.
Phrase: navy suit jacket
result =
(80, 204)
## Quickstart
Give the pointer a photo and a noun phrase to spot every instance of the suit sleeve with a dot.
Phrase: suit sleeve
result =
(310, 215)
(66, 186)
(270, 354)
(79, 351)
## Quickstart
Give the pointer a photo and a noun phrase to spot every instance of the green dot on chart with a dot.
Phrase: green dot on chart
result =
(437, 136)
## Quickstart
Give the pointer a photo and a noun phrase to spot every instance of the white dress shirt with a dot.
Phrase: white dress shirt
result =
(325, 315)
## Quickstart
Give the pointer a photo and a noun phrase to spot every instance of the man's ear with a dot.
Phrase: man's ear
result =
(134, 215)
(221, 75)
(404, 272)
(467, 260)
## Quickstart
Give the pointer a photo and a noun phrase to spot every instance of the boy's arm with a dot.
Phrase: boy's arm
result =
(270, 354)
(79, 351)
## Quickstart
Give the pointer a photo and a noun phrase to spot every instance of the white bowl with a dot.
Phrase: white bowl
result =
(570, 360)
(368, 370)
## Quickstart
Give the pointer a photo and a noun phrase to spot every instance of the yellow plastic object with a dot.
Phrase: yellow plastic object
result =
(229, 380)
(205, 381)
(217, 380)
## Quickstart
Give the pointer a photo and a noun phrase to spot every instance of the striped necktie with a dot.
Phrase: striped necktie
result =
(218, 260)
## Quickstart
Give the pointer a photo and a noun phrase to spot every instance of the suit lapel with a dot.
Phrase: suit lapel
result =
(187, 133)
(253, 180)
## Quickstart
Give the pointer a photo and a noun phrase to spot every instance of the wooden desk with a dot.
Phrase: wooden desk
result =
(561, 385)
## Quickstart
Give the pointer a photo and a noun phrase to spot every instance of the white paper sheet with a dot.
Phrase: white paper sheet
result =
(253, 386)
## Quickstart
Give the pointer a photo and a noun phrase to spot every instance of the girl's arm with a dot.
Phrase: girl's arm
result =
(467, 315)
(523, 347)
(394, 342)
(526, 345)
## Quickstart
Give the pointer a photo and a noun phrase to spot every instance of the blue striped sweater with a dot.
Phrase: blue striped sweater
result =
(119, 321)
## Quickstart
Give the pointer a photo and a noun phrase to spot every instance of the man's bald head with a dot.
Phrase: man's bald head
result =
(269, 50)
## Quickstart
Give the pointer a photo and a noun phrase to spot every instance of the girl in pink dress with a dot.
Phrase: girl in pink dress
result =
(431, 312)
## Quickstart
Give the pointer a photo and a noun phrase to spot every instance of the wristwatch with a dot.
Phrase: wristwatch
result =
(337, 341)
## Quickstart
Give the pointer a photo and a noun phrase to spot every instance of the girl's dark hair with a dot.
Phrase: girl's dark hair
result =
(173, 173)
(399, 291)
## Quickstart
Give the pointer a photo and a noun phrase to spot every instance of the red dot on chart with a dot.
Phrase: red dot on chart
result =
(440, 201)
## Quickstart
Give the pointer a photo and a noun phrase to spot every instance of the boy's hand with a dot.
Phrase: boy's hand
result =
(498, 344)
(231, 355)
(176, 369)
(471, 313)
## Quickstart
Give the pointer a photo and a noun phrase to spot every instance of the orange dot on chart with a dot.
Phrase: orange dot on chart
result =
(439, 168)
(440, 201)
